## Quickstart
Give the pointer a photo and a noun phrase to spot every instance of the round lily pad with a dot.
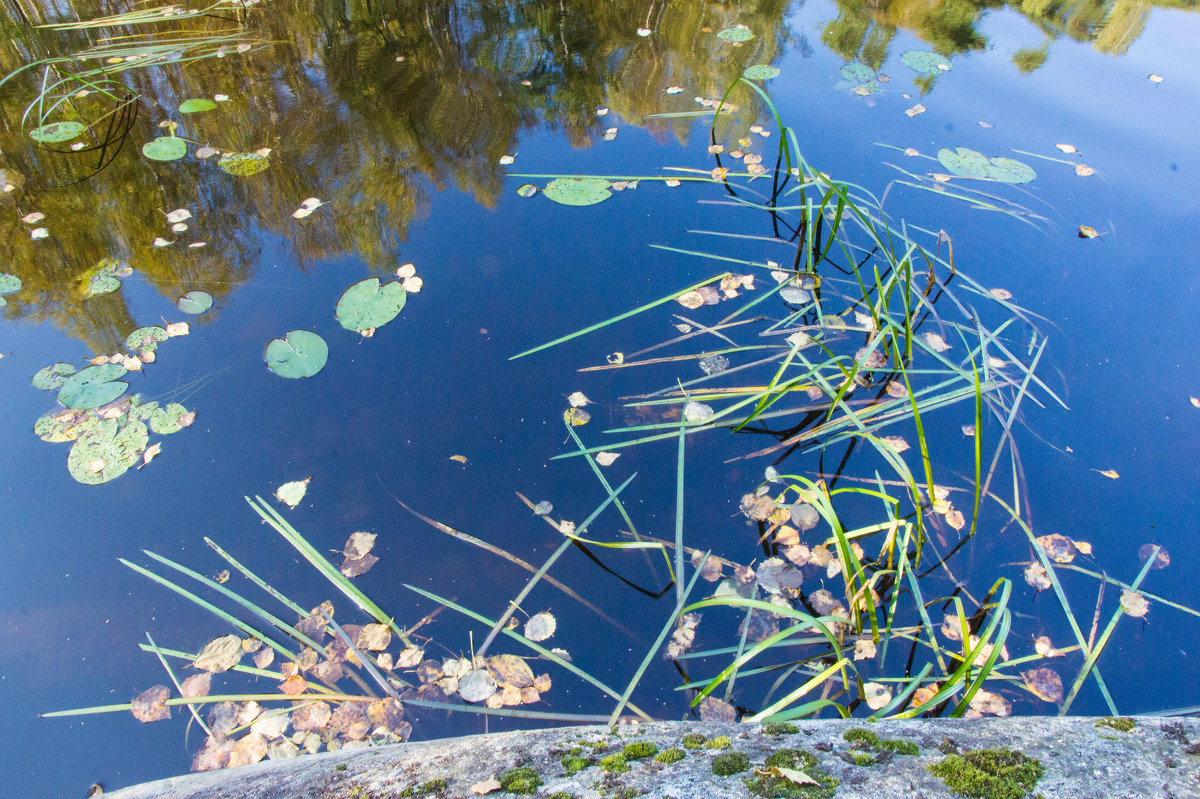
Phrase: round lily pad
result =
(106, 451)
(165, 420)
(194, 302)
(165, 148)
(925, 62)
(1010, 170)
(243, 164)
(367, 304)
(577, 191)
(761, 72)
(56, 427)
(101, 278)
(93, 386)
(57, 132)
(301, 353)
(196, 105)
(52, 377)
(857, 73)
(145, 339)
(735, 34)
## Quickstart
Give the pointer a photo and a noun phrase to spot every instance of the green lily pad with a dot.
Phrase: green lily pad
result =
(367, 304)
(52, 377)
(925, 62)
(165, 148)
(196, 105)
(165, 420)
(106, 451)
(735, 34)
(1010, 170)
(57, 132)
(101, 278)
(194, 302)
(9, 283)
(973, 164)
(145, 339)
(93, 386)
(141, 411)
(301, 353)
(761, 72)
(243, 164)
(857, 73)
(57, 427)
(577, 191)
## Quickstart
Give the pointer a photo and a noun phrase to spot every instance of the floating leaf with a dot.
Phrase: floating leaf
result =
(52, 377)
(935, 342)
(196, 105)
(165, 148)
(1134, 603)
(220, 654)
(1086, 232)
(1083, 170)
(151, 453)
(1058, 548)
(243, 164)
(57, 132)
(145, 339)
(1067, 148)
(877, 695)
(577, 191)
(292, 493)
(526, 190)
(1010, 170)
(543, 508)
(194, 302)
(476, 685)
(301, 353)
(857, 73)
(925, 62)
(540, 626)
(761, 72)
(8, 284)
(916, 109)
(106, 451)
(1036, 577)
(578, 399)
(576, 417)
(1109, 473)
(606, 458)
(1154, 78)
(696, 412)
(738, 33)
(367, 304)
(1161, 561)
(93, 386)
(458, 458)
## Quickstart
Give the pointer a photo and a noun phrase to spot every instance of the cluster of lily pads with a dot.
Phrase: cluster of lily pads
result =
(363, 307)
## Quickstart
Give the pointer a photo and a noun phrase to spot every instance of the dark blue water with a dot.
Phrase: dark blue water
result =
(503, 273)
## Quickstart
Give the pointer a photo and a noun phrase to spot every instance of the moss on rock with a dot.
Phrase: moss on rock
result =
(694, 740)
(779, 728)
(521, 780)
(1118, 723)
(574, 763)
(615, 763)
(773, 784)
(989, 773)
(639, 749)
(672, 755)
(729, 763)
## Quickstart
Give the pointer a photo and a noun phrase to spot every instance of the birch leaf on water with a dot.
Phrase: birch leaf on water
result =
(292, 493)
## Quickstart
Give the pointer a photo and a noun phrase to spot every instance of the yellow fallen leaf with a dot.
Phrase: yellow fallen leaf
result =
(459, 458)
(1110, 473)
(406, 270)
(151, 452)
(1067, 148)
(1083, 170)
(1195, 401)
(1087, 232)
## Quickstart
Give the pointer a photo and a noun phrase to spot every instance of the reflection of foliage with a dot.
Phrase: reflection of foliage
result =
(1029, 59)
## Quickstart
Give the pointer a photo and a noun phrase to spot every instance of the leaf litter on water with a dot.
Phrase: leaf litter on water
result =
(292, 493)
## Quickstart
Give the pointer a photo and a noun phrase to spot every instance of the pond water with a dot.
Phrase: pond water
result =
(412, 125)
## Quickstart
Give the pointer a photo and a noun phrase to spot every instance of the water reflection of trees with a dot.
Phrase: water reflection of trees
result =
(370, 106)
(865, 31)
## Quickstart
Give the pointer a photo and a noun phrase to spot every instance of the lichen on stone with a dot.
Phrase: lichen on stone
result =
(989, 773)
(672, 755)
(772, 783)
(520, 780)
(729, 763)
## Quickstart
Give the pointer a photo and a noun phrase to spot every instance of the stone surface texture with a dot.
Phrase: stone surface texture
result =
(1083, 759)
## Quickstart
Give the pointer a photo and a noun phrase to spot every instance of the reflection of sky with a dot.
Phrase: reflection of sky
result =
(392, 409)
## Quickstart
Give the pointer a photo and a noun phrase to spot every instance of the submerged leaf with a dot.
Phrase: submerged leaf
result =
(1134, 603)
(243, 164)
(1044, 683)
(150, 705)
(877, 695)
(196, 105)
(540, 626)
(220, 654)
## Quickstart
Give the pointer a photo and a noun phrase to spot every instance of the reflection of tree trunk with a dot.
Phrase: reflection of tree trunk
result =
(1122, 26)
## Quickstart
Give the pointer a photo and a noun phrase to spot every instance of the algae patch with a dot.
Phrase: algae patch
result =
(989, 773)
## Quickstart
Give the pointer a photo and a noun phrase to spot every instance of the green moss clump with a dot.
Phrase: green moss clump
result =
(639, 749)
(340, 767)
(729, 763)
(574, 750)
(769, 785)
(694, 740)
(560, 795)
(779, 728)
(672, 755)
(615, 763)
(989, 773)
(425, 788)
(900, 747)
(860, 758)
(576, 763)
(721, 742)
(860, 738)
(522, 780)
(1118, 723)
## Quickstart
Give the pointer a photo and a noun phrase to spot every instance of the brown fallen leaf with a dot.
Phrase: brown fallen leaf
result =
(1086, 232)
(220, 654)
(714, 709)
(1045, 648)
(1067, 148)
(1044, 683)
(490, 785)
(150, 704)
(1083, 170)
